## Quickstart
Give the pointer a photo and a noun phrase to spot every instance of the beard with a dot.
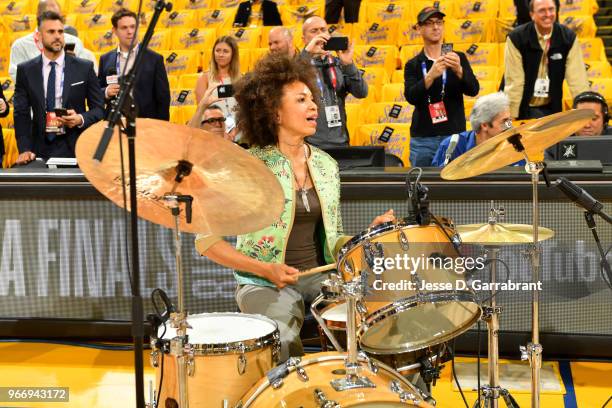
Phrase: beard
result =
(53, 47)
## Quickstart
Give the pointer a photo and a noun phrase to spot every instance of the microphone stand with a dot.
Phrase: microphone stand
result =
(125, 104)
(589, 216)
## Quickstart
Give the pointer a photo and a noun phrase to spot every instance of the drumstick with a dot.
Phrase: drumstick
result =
(316, 270)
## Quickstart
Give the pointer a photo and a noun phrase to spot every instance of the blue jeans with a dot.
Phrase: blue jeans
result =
(423, 150)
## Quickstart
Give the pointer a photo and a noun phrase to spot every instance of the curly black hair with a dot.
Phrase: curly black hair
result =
(259, 94)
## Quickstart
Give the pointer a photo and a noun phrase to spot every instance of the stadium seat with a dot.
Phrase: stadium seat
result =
(398, 135)
(407, 35)
(487, 73)
(408, 52)
(245, 59)
(604, 87)
(161, 40)
(16, 24)
(256, 54)
(193, 38)
(376, 56)
(176, 115)
(473, 30)
(219, 19)
(446, 6)
(99, 40)
(502, 28)
(393, 93)
(598, 69)
(17, 7)
(88, 22)
(111, 6)
(584, 26)
(578, 7)
(388, 112)
(400, 12)
(376, 77)
(233, 4)
(182, 97)
(7, 83)
(245, 37)
(353, 117)
(178, 19)
(10, 148)
(82, 6)
(173, 81)
(187, 112)
(376, 33)
(194, 4)
(180, 62)
(187, 81)
(593, 49)
(480, 53)
(476, 9)
(398, 75)
(296, 14)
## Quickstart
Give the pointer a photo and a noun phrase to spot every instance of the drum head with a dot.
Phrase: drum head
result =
(395, 329)
(219, 328)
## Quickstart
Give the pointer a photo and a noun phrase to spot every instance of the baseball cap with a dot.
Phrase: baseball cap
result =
(427, 13)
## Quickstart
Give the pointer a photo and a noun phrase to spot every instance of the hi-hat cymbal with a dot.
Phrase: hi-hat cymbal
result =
(499, 151)
(501, 234)
(233, 192)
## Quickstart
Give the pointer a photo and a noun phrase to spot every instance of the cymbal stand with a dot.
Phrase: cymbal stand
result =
(533, 350)
(490, 314)
(179, 345)
(353, 292)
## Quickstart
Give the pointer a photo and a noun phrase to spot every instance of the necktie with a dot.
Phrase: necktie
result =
(50, 100)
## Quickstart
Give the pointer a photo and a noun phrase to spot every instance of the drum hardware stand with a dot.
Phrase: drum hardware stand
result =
(315, 313)
(179, 345)
(533, 350)
(353, 292)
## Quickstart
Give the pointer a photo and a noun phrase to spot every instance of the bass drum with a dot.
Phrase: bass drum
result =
(311, 383)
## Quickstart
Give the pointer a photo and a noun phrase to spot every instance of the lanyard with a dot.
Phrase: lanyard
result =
(332, 73)
(424, 69)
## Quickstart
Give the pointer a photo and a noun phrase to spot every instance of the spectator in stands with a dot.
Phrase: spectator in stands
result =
(255, 13)
(4, 111)
(334, 7)
(224, 70)
(280, 40)
(533, 77)
(210, 117)
(435, 82)
(599, 124)
(50, 81)
(336, 78)
(151, 89)
(29, 46)
(86, 54)
(490, 116)
(522, 11)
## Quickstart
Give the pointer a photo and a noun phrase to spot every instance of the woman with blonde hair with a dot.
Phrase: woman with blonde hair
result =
(224, 70)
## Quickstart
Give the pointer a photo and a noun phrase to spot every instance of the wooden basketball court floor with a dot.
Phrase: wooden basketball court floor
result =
(104, 378)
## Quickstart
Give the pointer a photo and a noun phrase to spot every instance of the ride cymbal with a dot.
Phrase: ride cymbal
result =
(233, 192)
(499, 151)
(501, 234)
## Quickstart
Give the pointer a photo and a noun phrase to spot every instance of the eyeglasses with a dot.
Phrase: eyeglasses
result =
(431, 23)
(507, 124)
(213, 120)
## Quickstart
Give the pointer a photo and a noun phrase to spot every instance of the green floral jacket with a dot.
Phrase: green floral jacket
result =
(270, 243)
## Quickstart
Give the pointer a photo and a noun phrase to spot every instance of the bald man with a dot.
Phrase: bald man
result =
(337, 76)
(27, 47)
(280, 40)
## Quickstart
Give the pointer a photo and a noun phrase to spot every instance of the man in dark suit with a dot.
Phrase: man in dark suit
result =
(50, 81)
(151, 90)
(4, 111)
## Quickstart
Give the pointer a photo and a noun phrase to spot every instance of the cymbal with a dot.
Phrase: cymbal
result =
(536, 136)
(233, 192)
(501, 234)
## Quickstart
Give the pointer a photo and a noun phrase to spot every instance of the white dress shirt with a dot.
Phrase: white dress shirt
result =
(59, 77)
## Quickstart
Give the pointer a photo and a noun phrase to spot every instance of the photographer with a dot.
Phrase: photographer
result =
(336, 78)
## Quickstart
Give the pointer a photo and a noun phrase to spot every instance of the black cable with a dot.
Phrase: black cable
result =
(606, 403)
(452, 350)
(161, 376)
(478, 364)
(604, 275)
(507, 278)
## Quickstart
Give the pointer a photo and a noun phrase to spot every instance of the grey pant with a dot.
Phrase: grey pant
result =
(284, 306)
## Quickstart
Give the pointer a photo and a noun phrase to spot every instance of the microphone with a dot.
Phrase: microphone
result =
(581, 198)
(452, 145)
(111, 77)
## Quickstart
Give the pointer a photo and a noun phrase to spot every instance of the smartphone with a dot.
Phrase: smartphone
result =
(225, 91)
(59, 112)
(69, 47)
(336, 44)
(182, 96)
(446, 48)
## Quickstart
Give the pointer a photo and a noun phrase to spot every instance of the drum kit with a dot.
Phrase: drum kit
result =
(381, 337)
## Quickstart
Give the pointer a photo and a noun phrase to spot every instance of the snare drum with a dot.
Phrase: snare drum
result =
(230, 353)
(314, 384)
(408, 319)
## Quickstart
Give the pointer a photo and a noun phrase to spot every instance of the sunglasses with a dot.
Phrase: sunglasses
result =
(213, 120)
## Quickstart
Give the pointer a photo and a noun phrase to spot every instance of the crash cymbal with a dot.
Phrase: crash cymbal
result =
(501, 234)
(499, 151)
(233, 192)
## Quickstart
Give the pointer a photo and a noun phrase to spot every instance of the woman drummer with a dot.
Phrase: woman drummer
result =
(277, 112)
